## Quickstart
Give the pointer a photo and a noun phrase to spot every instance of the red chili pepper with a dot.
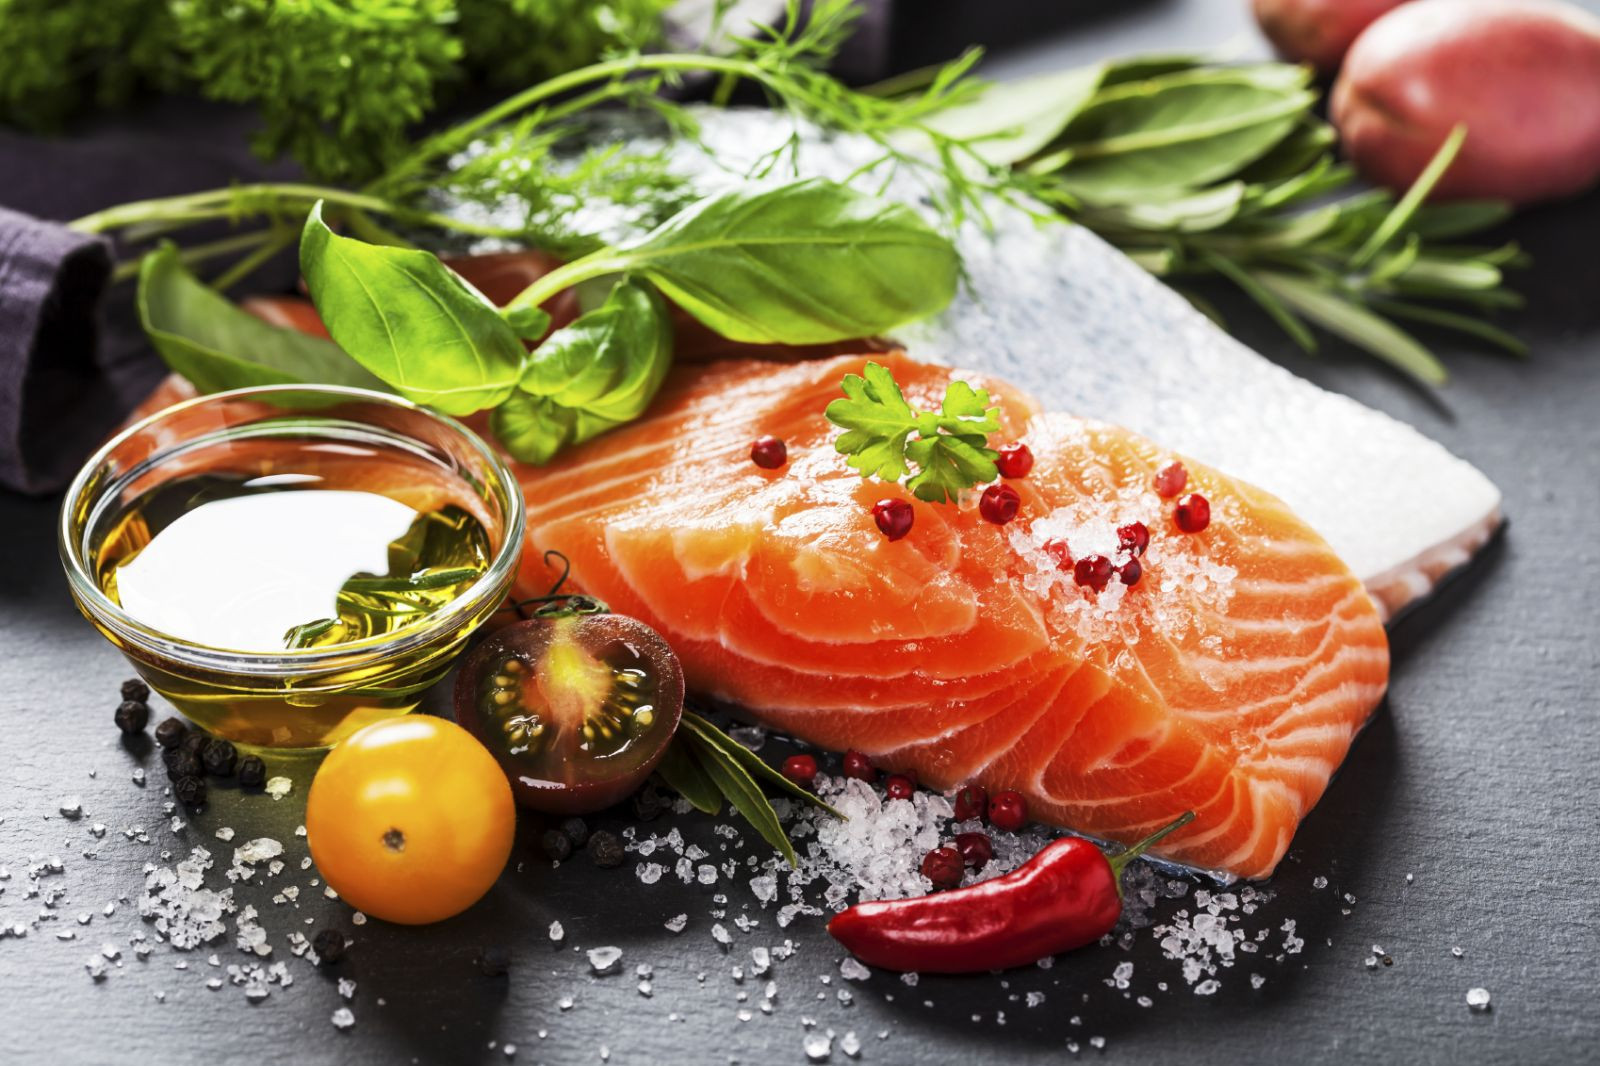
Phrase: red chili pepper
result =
(1066, 896)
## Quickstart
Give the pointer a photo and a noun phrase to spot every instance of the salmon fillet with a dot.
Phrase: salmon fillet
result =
(1230, 680)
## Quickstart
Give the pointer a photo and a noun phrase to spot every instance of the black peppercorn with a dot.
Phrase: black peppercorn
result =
(191, 791)
(648, 803)
(605, 848)
(195, 744)
(132, 716)
(252, 772)
(494, 961)
(170, 733)
(181, 763)
(577, 831)
(329, 945)
(555, 844)
(135, 690)
(220, 758)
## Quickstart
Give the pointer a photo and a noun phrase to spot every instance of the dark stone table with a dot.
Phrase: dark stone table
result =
(1465, 817)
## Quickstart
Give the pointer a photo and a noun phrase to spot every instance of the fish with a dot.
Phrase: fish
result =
(1230, 680)
(1056, 309)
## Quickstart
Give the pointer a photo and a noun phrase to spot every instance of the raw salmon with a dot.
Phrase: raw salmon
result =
(1231, 679)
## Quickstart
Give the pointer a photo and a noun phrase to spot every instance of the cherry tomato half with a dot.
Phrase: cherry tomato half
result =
(410, 820)
(578, 709)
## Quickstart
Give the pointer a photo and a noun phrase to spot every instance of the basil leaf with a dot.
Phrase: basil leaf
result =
(1010, 121)
(406, 317)
(214, 344)
(683, 773)
(741, 791)
(804, 263)
(533, 428)
(753, 763)
(593, 375)
(609, 363)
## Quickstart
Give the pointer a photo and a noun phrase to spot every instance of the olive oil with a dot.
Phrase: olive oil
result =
(317, 549)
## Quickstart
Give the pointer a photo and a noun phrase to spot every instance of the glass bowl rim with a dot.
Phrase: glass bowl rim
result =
(493, 582)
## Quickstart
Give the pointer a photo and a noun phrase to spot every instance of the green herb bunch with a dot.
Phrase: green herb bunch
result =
(1205, 170)
(338, 83)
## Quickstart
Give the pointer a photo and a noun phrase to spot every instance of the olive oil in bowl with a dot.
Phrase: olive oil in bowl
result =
(301, 569)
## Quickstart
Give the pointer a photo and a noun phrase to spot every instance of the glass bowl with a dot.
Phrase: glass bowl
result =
(313, 697)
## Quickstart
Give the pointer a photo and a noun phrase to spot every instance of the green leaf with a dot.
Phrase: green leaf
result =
(1357, 325)
(533, 428)
(877, 421)
(589, 377)
(216, 345)
(1194, 212)
(1459, 219)
(1165, 137)
(1400, 216)
(1264, 298)
(609, 363)
(804, 263)
(950, 451)
(1010, 121)
(741, 791)
(1475, 327)
(757, 767)
(682, 772)
(410, 320)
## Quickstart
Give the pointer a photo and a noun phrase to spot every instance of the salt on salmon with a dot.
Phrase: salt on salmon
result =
(1231, 680)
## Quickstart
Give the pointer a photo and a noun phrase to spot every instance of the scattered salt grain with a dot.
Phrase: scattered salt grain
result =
(852, 970)
(258, 850)
(818, 1046)
(343, 1019)
(556, 932)
(676, 923)
(1457, 952)
(1478, 999)
(850, 1044)
(347, 988)
(279, 787)
(1207, 987)
(721, 934)
(72, 808)
(603, 959)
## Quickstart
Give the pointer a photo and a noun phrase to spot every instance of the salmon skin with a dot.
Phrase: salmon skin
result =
(1230, 680)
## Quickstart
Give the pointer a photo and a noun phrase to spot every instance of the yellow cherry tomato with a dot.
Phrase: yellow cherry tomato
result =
(410, 820)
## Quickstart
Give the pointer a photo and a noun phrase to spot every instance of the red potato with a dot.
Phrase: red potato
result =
(1318, 32)
(1523, 75)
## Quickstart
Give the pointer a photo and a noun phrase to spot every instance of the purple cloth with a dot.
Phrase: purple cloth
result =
(55, 400)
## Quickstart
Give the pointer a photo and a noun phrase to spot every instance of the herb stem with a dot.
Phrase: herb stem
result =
(200, 253)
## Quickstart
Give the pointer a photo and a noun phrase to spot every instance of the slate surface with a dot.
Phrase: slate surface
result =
(1477, 779)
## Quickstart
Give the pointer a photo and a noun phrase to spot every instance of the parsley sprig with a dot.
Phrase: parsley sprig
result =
(884, 435)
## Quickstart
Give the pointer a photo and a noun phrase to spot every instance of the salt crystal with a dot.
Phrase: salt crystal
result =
(909, 979)
(850, 1044)
(342, 1018)
(676, 923)
(603, 959)
(279, 787)
(818, 1046)
(564, 1003)
(96, 967)
(852, 970)
(1097, 1042)
(72, 808)
(645, 988)
(138, 776)
(1457, 952)
(720, 934)
(707, 874)
(556, 932)
(760, 960)
(764, 887)
(258, 850)
(225, 834)
(650, 872)
(1256, 980)
(1478, 999)
(1033, 999)
(347, 988)
(1207, 987)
